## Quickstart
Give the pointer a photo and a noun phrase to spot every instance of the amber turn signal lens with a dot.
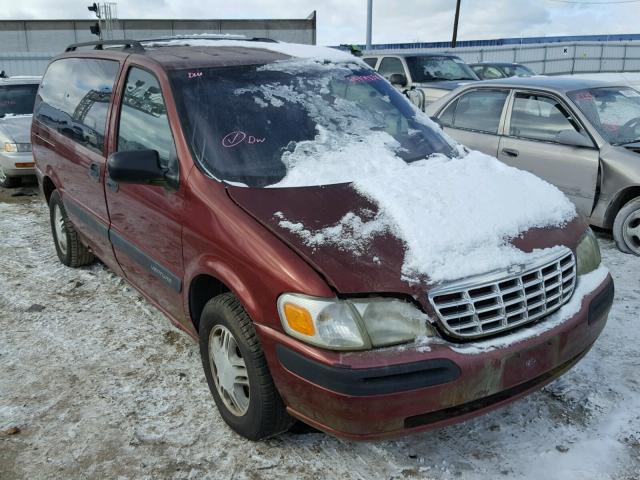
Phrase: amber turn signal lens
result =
(299, 319)
(25, 165)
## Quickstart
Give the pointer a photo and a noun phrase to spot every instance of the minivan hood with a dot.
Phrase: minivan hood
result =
(16, 128)
(379, 269)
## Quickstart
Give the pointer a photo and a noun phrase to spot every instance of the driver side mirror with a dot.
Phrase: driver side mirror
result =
(573, 138)
(398, 79)
(141, 167)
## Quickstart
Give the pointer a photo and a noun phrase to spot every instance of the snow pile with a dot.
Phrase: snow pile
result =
(455, 216)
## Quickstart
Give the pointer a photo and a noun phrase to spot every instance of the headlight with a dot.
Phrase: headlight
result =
(17, 147)
(588, 253)
(351, 324)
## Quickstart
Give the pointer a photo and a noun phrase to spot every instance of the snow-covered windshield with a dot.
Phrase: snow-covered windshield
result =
(17, 99)
(613, 111)
(264, 125)
(437, 68)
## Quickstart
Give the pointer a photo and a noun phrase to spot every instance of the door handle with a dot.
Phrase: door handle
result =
(94, 172)
(510, 152)
(112, 185)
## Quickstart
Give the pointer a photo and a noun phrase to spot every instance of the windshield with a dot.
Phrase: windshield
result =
(517, 71)
(257, 125)
(613, 111)
(431, 69)
(17, 99)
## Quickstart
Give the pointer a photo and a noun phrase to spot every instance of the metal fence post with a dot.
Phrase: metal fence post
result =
(573, 62)
(601, 57)
(544, 60)
(624, 57)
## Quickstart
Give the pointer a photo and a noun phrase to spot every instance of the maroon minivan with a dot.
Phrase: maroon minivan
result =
(340, 260)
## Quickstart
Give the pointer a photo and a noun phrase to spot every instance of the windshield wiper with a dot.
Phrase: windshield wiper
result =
(622, 144)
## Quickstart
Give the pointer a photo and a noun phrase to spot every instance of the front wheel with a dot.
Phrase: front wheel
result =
(626, 227)
(8, 181)
(237, 371)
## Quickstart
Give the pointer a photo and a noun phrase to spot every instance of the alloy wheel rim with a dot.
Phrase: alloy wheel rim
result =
(631, 231)
(60, 228)
(229, 370)
(3, 176)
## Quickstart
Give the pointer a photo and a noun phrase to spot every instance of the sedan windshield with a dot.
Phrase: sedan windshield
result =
(437, 68)
(255, 125)
(517, 71)
(17, 99)
(613, 111)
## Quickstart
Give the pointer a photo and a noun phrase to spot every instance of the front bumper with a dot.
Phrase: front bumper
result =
(17, 164)
(392, 392)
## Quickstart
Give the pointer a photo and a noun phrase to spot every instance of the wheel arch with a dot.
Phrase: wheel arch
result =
(202, 288)
(620, 200)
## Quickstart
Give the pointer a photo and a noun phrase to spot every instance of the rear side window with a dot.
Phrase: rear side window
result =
(479, 110)
(539, 117)
(74, 99)
(389, 66)
(144, 124)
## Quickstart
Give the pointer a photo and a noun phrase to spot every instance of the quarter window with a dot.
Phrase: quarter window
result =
(144, 124)
(539, 117)
(479, 110)
(371, 61)
(74, 99)
(389, 66)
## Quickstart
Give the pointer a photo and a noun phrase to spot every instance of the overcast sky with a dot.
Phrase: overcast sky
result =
(343, 21)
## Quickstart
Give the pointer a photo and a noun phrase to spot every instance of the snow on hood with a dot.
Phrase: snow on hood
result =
(455, 217)
(16, 127)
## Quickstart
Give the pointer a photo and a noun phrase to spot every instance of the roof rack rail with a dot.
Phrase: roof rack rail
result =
(98, 45)
(212, 36)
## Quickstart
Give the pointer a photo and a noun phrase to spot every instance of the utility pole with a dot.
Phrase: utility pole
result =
(369, 15)
(455, 25)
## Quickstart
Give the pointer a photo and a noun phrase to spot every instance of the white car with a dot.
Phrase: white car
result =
(17, 96)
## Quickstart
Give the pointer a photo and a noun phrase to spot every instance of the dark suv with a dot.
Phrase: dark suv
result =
(340, 261)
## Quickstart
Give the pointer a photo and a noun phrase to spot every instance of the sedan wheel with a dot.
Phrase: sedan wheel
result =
(8, 182)
(631, 232)
(229, 370)
(626, 227)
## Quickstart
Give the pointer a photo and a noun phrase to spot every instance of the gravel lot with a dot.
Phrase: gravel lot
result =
(95, 383)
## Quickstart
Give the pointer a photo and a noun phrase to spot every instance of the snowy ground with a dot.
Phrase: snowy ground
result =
(101, 386)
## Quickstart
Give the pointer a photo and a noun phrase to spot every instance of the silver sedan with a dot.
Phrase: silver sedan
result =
(17, 96)
(581, 135)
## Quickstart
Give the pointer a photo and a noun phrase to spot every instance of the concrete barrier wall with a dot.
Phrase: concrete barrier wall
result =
(27, 45)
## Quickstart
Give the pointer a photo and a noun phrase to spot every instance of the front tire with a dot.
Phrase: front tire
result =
(7, 181)
(626, 227)
(237, 372)
(69, 248)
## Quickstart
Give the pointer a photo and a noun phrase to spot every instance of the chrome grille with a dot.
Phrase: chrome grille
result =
(495, 303)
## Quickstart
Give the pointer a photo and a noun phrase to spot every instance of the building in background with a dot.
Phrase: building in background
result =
(27, 45)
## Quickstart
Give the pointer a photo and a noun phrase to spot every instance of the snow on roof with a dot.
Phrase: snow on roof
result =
(291, 49)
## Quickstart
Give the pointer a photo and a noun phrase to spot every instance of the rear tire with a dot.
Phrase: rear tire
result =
(626, 227)
(7, 181)
(238, 375)
(69, 248)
